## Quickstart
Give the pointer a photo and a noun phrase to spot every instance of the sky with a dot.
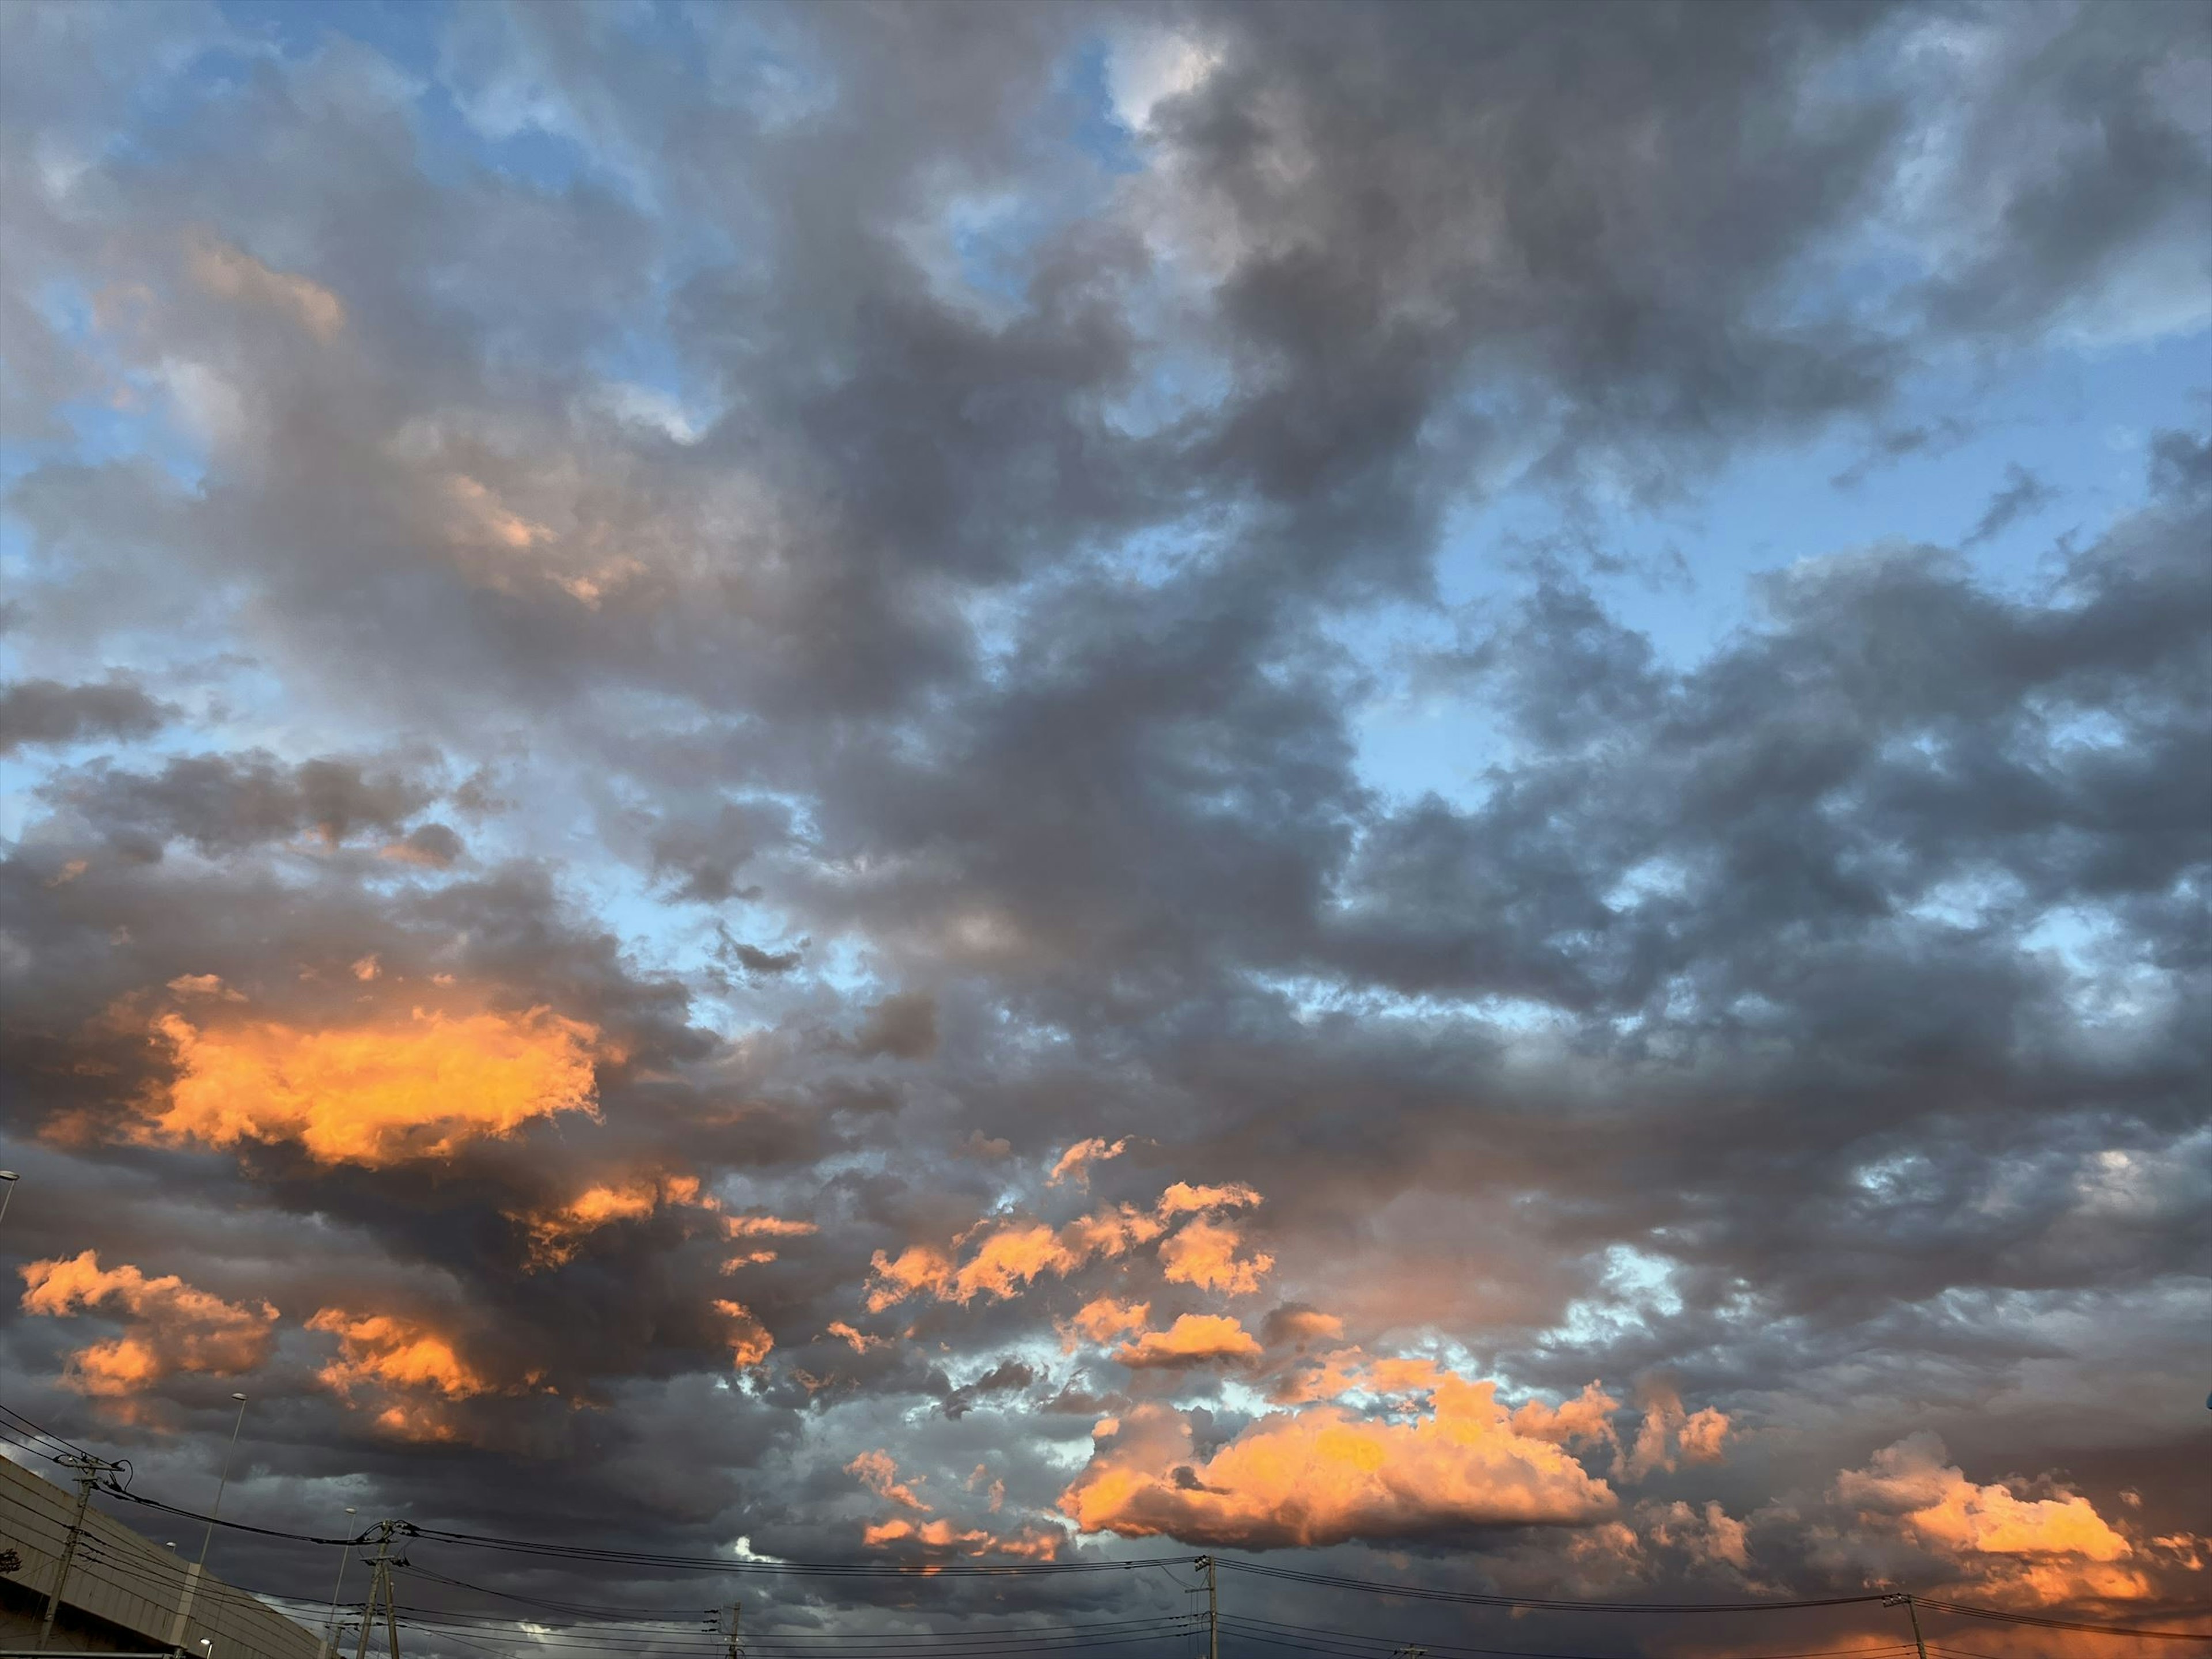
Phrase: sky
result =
(1420, 792)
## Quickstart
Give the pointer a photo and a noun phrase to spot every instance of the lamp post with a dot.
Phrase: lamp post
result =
(7, 1191)
(199, 1567)
(331, 1639)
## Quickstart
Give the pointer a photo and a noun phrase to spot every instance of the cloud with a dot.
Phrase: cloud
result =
(2037, 1550)
(417, 1086)
(1192, 1339)
(879, 1472)
(228, 805)
(2024, 495)
(1323, 1474)
(1203, 1252)
(230, 273)
(170, 1327)
(1001, 581)
(1074, 1164)
(1668, 1432)
(50, 711)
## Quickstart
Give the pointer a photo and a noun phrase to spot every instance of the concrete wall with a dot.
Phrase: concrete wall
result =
(124, 1589)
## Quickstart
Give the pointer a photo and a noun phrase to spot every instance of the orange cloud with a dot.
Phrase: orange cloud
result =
(860, 1340)
(1203, 1252)
(1075, 1162)
(1587, 1419)
(1194, 1339)
(749, 1339)
(1292, 1323)
(2026, 1549)
(1103, 1320)
(557, 1231)
(374, 1095)
(878, 1473)
(1183, 1198)
(1011, 1254)
(171, 1326)
(387, 1352)
(203, 985)
(1324, 1474)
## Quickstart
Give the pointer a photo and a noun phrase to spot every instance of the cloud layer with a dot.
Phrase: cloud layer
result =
(935, 784)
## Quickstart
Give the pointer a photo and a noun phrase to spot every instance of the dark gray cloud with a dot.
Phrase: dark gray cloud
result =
(49, 712)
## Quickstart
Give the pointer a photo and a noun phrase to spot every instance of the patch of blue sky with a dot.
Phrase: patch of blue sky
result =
(137, 418)
(2080, 422)
(1635, 1289)
(1098, 131)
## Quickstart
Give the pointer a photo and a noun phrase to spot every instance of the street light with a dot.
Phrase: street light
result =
(6, 1192)
(199, 1568)
(345, 1555)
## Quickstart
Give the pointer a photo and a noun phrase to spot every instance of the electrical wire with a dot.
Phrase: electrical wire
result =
(1536, 1604)
(1965, 1610)
(1367, 1641)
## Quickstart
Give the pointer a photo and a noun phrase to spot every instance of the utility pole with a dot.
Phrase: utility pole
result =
(89, 1470)
(1212, 1609)
(1905, 1599)
(380, 1586)
(737, 1641)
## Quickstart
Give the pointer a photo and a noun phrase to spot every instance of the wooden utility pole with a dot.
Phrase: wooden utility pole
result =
(89, 1470)
(380, 1586)
(1905, 1599)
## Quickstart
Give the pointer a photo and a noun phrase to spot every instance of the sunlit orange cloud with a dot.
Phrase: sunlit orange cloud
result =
(760, 1226)
(1074, 1164)
(1183, 1198)
(948, 1537)
(2032, 1550)
(1102, 1319)
(391, 1352)
(407, 1088)
(1005, 1256)
(1324, 1474)
(1203, 1252)
(861, 1341)
(749, 1339)
(1194, 1339)
(405, 1374)
(172, 1325)
(1586, 1419)
(879, 1472)
(557, 1231)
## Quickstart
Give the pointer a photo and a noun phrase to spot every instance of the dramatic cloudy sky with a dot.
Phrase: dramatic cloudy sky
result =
(1423, 789)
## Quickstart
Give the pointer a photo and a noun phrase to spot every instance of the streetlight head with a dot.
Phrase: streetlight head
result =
(240, 1398)
(9, 1175)
(351, 1510)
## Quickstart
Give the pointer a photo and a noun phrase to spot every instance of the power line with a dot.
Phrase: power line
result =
(1537, 1604)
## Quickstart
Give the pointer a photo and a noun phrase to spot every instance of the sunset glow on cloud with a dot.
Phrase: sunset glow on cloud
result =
(1323, 1473)
(169, 1326)
(419, 1086)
